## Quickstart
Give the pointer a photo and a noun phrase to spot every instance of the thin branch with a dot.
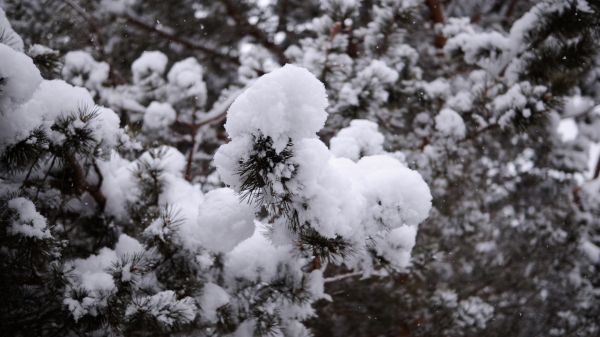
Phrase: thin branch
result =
(82, 183)
(342, 277)
(437, 16)
(215, 115)
(181, 40)
(511, 9)
(244, 27)
(597, 169)
(98, 40)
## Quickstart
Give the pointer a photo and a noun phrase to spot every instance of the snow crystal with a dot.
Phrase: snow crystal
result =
(28, 221)
(359, 139)
(449, 123)
(288, 103)
(159, 115)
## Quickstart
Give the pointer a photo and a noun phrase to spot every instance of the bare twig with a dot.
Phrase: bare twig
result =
(98, 39)
(82, 183)
(181, 40)
(215, 115)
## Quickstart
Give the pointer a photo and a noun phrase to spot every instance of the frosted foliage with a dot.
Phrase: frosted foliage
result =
(449, 123)
(341, 198)
(150, 63)
(277, 106)
(359, 139)
(91, 275)
(50, 102)
(474, 312)
(165, 308)
(20, 78)
(35, 103)
(27, 222)
(81, 69)
(158, 116)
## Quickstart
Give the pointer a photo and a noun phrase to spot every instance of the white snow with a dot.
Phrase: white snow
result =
(11, 37)
(223, 221)
(159, 116)
(82, 70)
(288, 103)
(591, 250)
(567, 128)
(165, 308)
(54, 99)
(185, 80)
(449, 123)
(359, 139)
(354, 200)
(150, 62)
(213, 297)
(28, 222)
(20, 78)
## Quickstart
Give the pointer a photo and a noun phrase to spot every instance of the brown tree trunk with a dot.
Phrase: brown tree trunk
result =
(437, 16)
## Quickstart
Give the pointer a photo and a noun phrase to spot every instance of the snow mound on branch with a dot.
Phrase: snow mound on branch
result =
(27, 103)
(19, 78)
(449, 123)
(159, 115)
(213, 297)
(82, 70)
(185, 80)
(360, 138)
(92, 276)
(10, 37)
(28, 222)
(149, 62)
(223, 221)
(334, 196)
(288, 103)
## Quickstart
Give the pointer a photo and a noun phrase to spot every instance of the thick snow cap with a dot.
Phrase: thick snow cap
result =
(288, 103)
